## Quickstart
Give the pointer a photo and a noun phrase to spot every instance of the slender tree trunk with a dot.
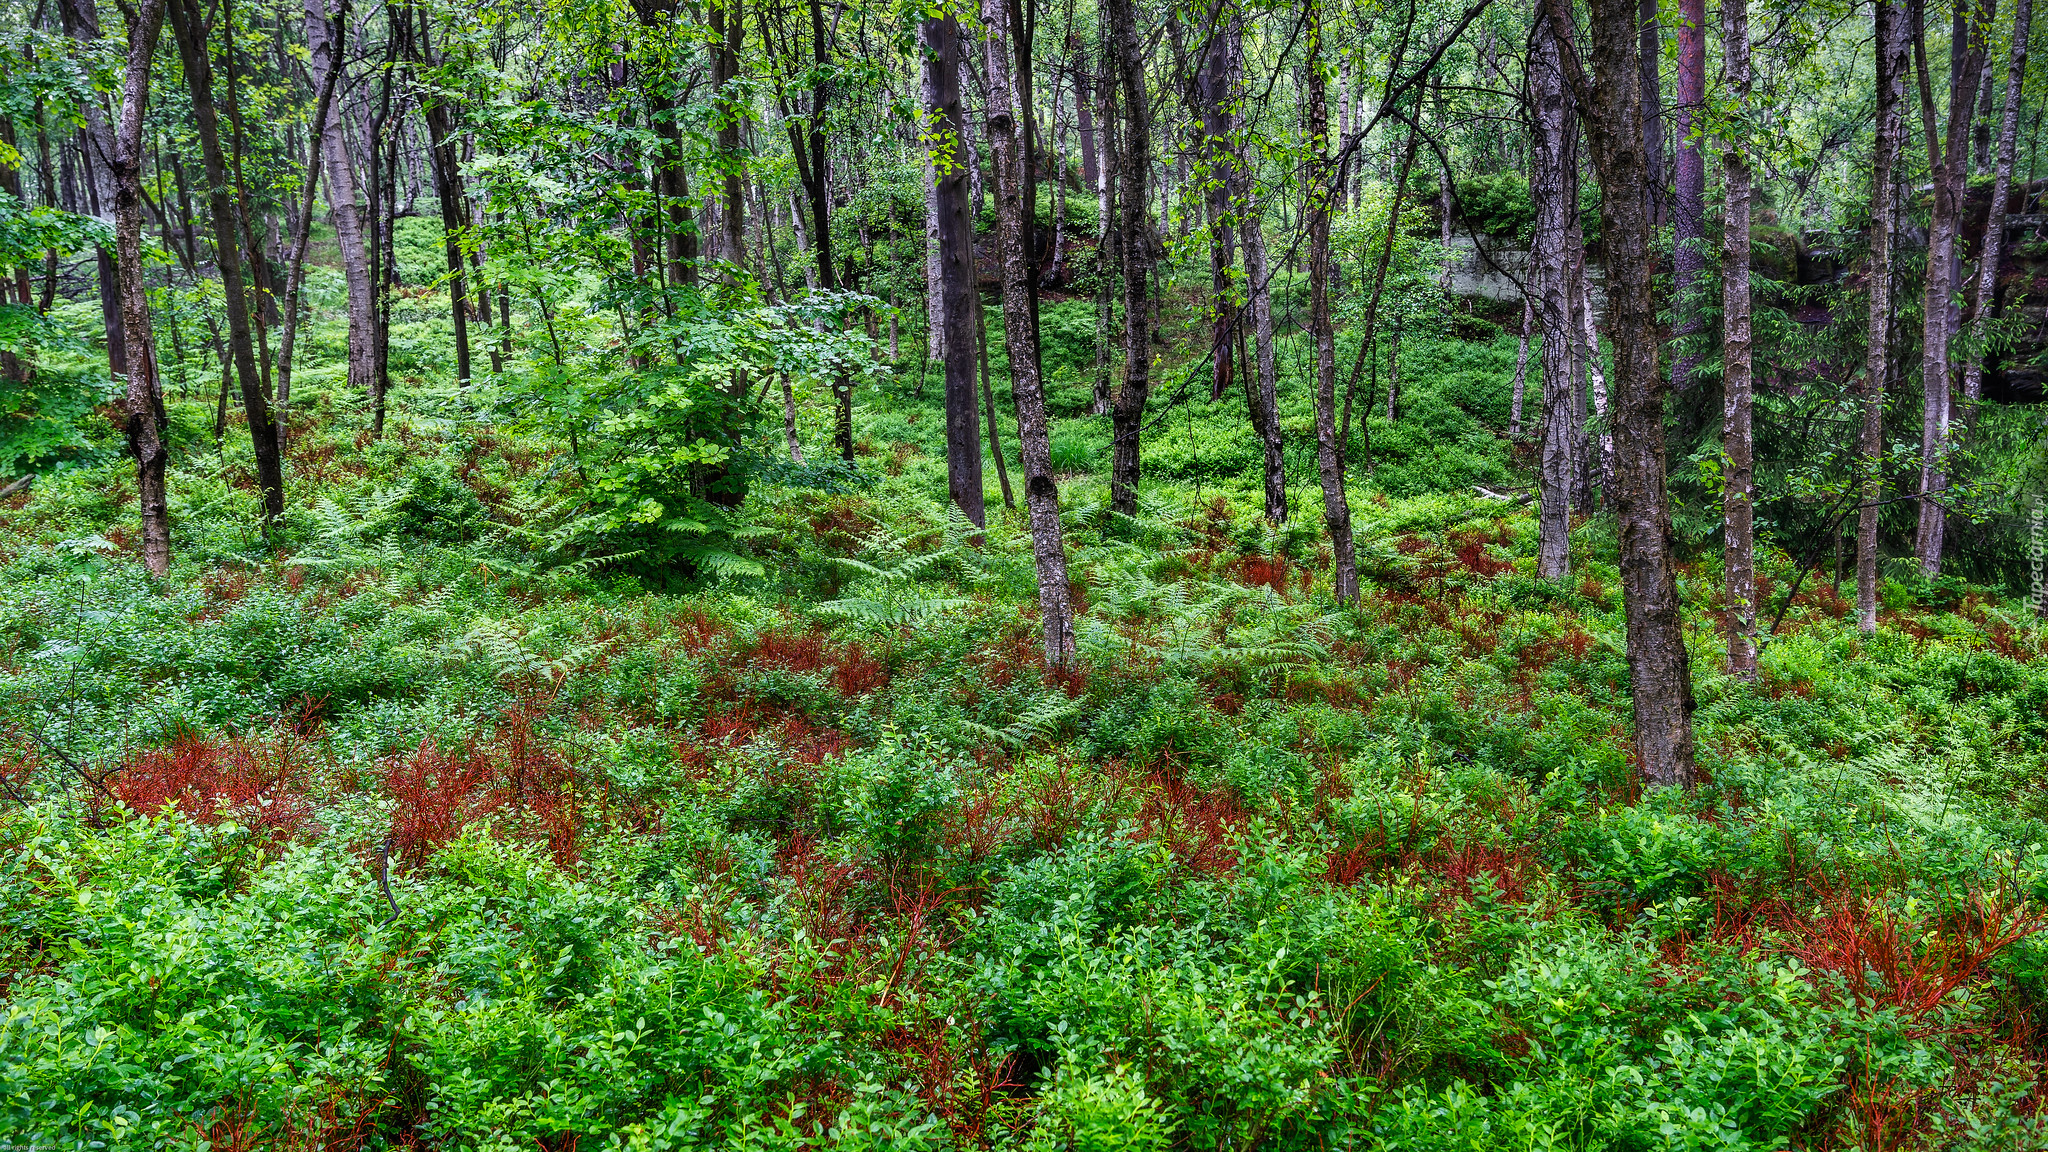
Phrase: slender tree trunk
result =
(190, 32)
(1007, 134)
(1321, 197)
(1127, 414)
(145, 401)
(454, 208)
(1219, 159)
(729, 25)
(348, 225)
(1993, 254)
(327, 66)
(1969, 34)
(1891, 71)
(1653, 105)
(1084, 114)
(1266, 401)
(1611, 101)
(796, 450)
(960, 303)
(1737, 491)
(82, 24)
(1596, 455)
(1553, 186)
(1689, 221)
(934, 274)
(988, 402)
(1521, 370)
(1108, 244)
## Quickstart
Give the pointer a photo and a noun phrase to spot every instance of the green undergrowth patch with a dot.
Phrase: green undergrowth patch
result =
(403, 826)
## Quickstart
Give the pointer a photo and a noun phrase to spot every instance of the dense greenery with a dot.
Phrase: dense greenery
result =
(817, 856)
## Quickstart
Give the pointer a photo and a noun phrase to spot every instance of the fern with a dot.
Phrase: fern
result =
(1037, 722)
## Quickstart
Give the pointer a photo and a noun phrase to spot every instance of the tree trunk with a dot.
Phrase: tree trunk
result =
(728, 24)
(796, 450)
(1689, 220)
(1265, 404)
(1007, 117)
(327, 66)
(1554, 186)
(1219, 159)
(454, 209)
(1951, 169)
(988, 403)
(348, 225)
(1084, 114)
(1737, 492)
(1134, 162)
(145, 400)
(1521, 370)
(1611, 102)
(82, 23)
(188, 29)
(1653, 105)
(1321, 198)
(960, 303)
(1108, 244)
(1891, 71)
(934, 274)
(1993, 253)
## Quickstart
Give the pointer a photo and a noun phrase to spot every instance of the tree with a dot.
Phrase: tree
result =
(1134, 238)
(1738, 511)
(144, 406)
(1610, 100)
(1322, 193)
(959, 302)
(1950, 166)
(190, 30)
(1884, 215)
(1554, 188)
(1041, 496)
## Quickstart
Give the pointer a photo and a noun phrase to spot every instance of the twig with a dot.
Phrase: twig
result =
(384, 875)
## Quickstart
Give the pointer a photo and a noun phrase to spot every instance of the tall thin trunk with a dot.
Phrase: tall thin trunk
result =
(1611, 102)
(1553, 185)
(1265, 404)
(82, 24)
(188, 28)
(1521, 370)
(1737, 494)
(1212, 82)
(1653, 104)
(454, 208)
(1689, 220)
(1084, 114)
(960, 303)
(1596, 447)
(1108, 245)
(1008, 115)
(348, 224)
(988, 403)
(934, 275)
(122, 143)
(1968, 38)
(796, 450)
(1134, 162)
(1993, 253)
(1321, 197)
(1891, 72)
(729, 25)
(327, 66)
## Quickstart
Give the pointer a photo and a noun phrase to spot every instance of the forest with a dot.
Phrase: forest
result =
(1053, 575)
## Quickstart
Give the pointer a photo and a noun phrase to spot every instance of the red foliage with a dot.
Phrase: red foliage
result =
(1274, 572)
(1196, 827)
(260, 785)
(1862, 942)
(515, 778)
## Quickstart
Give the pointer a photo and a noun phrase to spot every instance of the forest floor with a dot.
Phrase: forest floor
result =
(386, 834)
